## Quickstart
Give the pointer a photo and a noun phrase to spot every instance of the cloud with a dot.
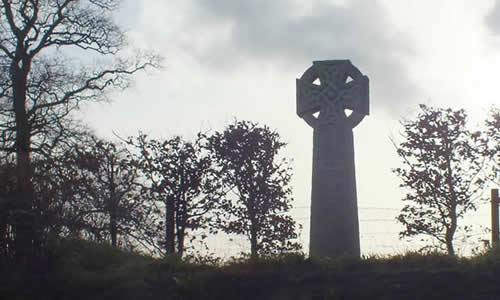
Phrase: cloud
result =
(276, 29)
(227, 34)
(492, 20)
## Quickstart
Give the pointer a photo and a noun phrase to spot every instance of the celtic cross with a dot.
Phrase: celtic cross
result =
(329, 88)
(324, 92)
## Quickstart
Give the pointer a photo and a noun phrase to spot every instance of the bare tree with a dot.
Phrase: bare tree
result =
(441, 173)
(41, 85)
(113, 191)
(179, 177)
(91, 189)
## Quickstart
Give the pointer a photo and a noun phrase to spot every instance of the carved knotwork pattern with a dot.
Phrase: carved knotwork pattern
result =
(341, 86)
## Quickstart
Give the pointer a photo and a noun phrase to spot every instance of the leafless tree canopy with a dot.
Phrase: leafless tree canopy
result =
(42, 81)
(37, 39)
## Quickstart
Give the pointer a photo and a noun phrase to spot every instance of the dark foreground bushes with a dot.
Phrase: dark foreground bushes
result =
(77, 269)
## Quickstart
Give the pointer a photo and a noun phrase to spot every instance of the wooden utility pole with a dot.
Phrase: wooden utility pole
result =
(494, 218)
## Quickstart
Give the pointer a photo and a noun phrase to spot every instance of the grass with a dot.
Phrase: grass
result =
(86, 270)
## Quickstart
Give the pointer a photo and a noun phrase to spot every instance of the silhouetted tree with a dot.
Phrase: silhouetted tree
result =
(257, 181)
(180, 178)
(7, 189)
(89, 188)
(59, 180)
(492, 140)
(46, 196)
(111, 203)
(41, 84)
(441, 173)
(105, 171)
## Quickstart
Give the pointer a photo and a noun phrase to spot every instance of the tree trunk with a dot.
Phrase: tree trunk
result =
(112, 222)
(253, 228)
(3, 235)
(253, 240)
(24, 231)
(180, 240)
(181, 217)
(450, 231)
(449, 243)
(170, 225)
(112, 206)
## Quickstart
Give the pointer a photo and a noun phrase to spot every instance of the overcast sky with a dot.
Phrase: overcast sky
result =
(227, 59)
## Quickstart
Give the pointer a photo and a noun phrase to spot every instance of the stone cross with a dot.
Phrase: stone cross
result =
(332, 97)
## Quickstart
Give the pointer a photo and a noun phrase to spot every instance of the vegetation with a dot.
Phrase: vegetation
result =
(81, 269)
(110, 190)
(246, 156)
(42, 84)
(442, 164)
(180, 177)
(492, 142)
(87, 218)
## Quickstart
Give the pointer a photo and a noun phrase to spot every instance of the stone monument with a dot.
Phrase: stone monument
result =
(332, 97)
